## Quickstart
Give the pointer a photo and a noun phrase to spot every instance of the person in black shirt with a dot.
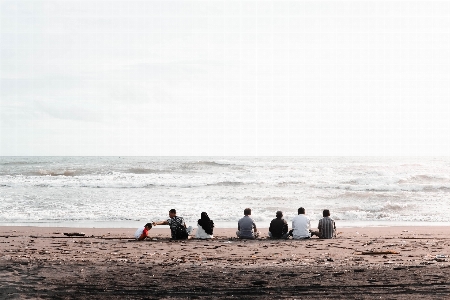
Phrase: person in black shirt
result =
(278, 227)
(177, 225)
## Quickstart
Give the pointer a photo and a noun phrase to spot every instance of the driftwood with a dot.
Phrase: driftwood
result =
(378, 252)
(74, 233)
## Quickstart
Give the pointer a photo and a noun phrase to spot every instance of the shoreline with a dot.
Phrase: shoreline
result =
(225, 225)
(107, 263)
(163, 231)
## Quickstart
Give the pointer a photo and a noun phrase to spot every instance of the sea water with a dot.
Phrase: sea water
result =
(130, 191)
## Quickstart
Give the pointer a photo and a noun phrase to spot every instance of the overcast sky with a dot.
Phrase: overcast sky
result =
(224, 77)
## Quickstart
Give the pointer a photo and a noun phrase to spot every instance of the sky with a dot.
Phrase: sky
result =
(225, 78)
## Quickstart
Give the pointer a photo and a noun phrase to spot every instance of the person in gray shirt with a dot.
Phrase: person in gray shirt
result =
(246, 226)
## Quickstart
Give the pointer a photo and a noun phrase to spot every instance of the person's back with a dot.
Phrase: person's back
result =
(142, 232)
(246, 226)
(301, 225)
(327, 226)
(278, 227)
(177, 226)
(205, 227)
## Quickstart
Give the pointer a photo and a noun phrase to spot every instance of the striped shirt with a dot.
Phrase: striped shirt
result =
(327, 228)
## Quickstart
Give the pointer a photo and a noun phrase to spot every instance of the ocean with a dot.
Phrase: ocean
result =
(130, 191)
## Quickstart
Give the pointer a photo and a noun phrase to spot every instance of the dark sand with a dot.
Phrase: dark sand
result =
(42, 263)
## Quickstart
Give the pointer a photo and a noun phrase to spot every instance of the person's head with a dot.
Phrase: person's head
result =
(148, 226)
(279, 214)
(204, 216)
(301, 211)
(247, 211)
(326, 213)
(172, 213)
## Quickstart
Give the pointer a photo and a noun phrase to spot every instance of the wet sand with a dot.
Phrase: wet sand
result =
(362, 263)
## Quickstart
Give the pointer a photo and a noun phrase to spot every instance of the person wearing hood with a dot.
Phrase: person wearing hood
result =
(205, 227)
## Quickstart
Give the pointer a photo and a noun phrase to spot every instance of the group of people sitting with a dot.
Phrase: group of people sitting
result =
(278, 229)
(178, 228)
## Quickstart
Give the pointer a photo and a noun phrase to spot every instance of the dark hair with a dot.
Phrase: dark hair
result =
(148, 225)
(301, 210)
(326, 212)
(279, 214)
(173, 211)
(206, 223)
(247, 211)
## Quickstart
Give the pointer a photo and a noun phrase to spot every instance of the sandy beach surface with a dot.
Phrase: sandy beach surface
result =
(106, 263)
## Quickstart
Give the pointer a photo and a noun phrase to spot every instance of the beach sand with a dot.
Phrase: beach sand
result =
(362, 263)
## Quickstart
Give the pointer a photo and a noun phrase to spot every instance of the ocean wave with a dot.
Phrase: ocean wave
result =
(423, 178)
(368, 195)
(211, 163)
(18, 163)
(43, 172)
(42, 185)
(288, 183)
(388, 207)
(111, 188)
(226, 183)
(146, 171)
(147, 178)
(351, 182)
(385, 188)
(201, 164)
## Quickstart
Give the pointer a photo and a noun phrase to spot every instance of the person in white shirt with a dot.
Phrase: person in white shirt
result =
(143, 232)
(301, 226)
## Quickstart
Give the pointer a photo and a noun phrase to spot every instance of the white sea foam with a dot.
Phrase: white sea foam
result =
(127, 189)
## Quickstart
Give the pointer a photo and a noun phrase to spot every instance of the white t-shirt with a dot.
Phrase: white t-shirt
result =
(138, 232)
(301, 225)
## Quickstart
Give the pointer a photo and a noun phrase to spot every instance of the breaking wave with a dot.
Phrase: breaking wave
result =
(43, 172)
(146, 171)
(226, 183)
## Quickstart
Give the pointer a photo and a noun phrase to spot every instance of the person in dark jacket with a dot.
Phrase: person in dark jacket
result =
(278, 227)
